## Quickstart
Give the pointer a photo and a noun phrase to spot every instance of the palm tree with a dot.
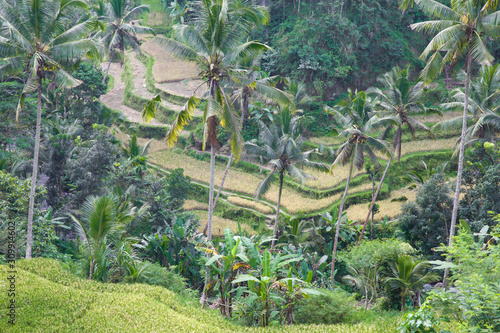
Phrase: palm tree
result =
(137, 153)
(484, 97)
(354, 120)
(120, 29)
(409, 277)
(37, 36)
(460, 30)
(103, 218)
(280, 146)
(398, 98)
(215, 44)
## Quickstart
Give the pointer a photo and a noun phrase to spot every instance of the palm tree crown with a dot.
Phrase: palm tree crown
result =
(280, 145)
(483, 107)
(120, 30)
(395, 103)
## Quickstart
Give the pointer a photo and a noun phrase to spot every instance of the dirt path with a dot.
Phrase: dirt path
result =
(140, 82)
(114, 98)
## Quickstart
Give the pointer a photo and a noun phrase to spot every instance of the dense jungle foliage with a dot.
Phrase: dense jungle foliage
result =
(224, 165)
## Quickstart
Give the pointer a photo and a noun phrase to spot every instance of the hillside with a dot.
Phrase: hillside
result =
(50, 299)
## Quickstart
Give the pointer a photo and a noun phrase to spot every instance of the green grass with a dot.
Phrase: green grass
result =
(49, 299)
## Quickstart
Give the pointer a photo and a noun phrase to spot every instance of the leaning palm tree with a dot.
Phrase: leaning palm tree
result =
(484, 106)
(460, 31)
(38, 39)
(409, 277)
(354, 118)
(398, 98)
(280, 145)
(121, 29)
(216, 44)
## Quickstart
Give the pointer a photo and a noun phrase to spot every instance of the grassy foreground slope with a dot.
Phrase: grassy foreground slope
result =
(49, 299)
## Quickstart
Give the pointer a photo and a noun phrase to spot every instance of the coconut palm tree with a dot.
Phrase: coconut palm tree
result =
(137, 153)
(460, 31)
(354, 119)
(280, 146)
(215, 43)
(121, 29)
(484, 116)
(103, 219)
(398, 98)
(38, 39)
(409, 277)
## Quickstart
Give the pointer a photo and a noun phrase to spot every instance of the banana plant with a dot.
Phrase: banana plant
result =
(271, 275)
(224, 264)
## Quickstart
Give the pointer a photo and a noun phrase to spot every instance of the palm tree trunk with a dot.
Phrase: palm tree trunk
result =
(341, 208)
(275, 231)
(223, 178)
(91, 273)
(107, 69)
(374, 199)
(210, 215)
(34, 175)
(373, 195)
(454, 212)
(220, 188)
(211, 192)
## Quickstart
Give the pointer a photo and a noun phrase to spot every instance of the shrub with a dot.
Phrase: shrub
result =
(424, 222)
(332, 307)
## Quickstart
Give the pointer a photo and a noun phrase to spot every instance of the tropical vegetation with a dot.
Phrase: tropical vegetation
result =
(211, 165)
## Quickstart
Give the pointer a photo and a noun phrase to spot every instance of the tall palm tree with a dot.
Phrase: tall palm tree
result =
(216, 44)
(280, 145)
(484, 107)
(398, 98)
(460, 31)
(120, 29)
(38, 37)
(409, 277)
(354, 119)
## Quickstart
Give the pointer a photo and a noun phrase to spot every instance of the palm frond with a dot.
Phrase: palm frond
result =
(438, 10)
(184, 116)
(181, 51)
(246, 50)
(265, 184)
(149, 111)
(479, 51)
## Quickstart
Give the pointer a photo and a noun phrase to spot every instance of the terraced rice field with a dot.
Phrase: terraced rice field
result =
(387, 207)
(219, 223)
(173, 73)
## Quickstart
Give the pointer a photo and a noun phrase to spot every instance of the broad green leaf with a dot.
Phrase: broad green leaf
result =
(245, 278)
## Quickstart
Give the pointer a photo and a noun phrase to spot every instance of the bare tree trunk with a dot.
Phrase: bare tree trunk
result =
(107, 69)
(220, 187)
(223, 179)
(210, 215)
(374, 199)
(341, 208)
(34, 174)
(91, 273)
(275, 231)
(211, 192)
(373, 195)
(454, 212)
